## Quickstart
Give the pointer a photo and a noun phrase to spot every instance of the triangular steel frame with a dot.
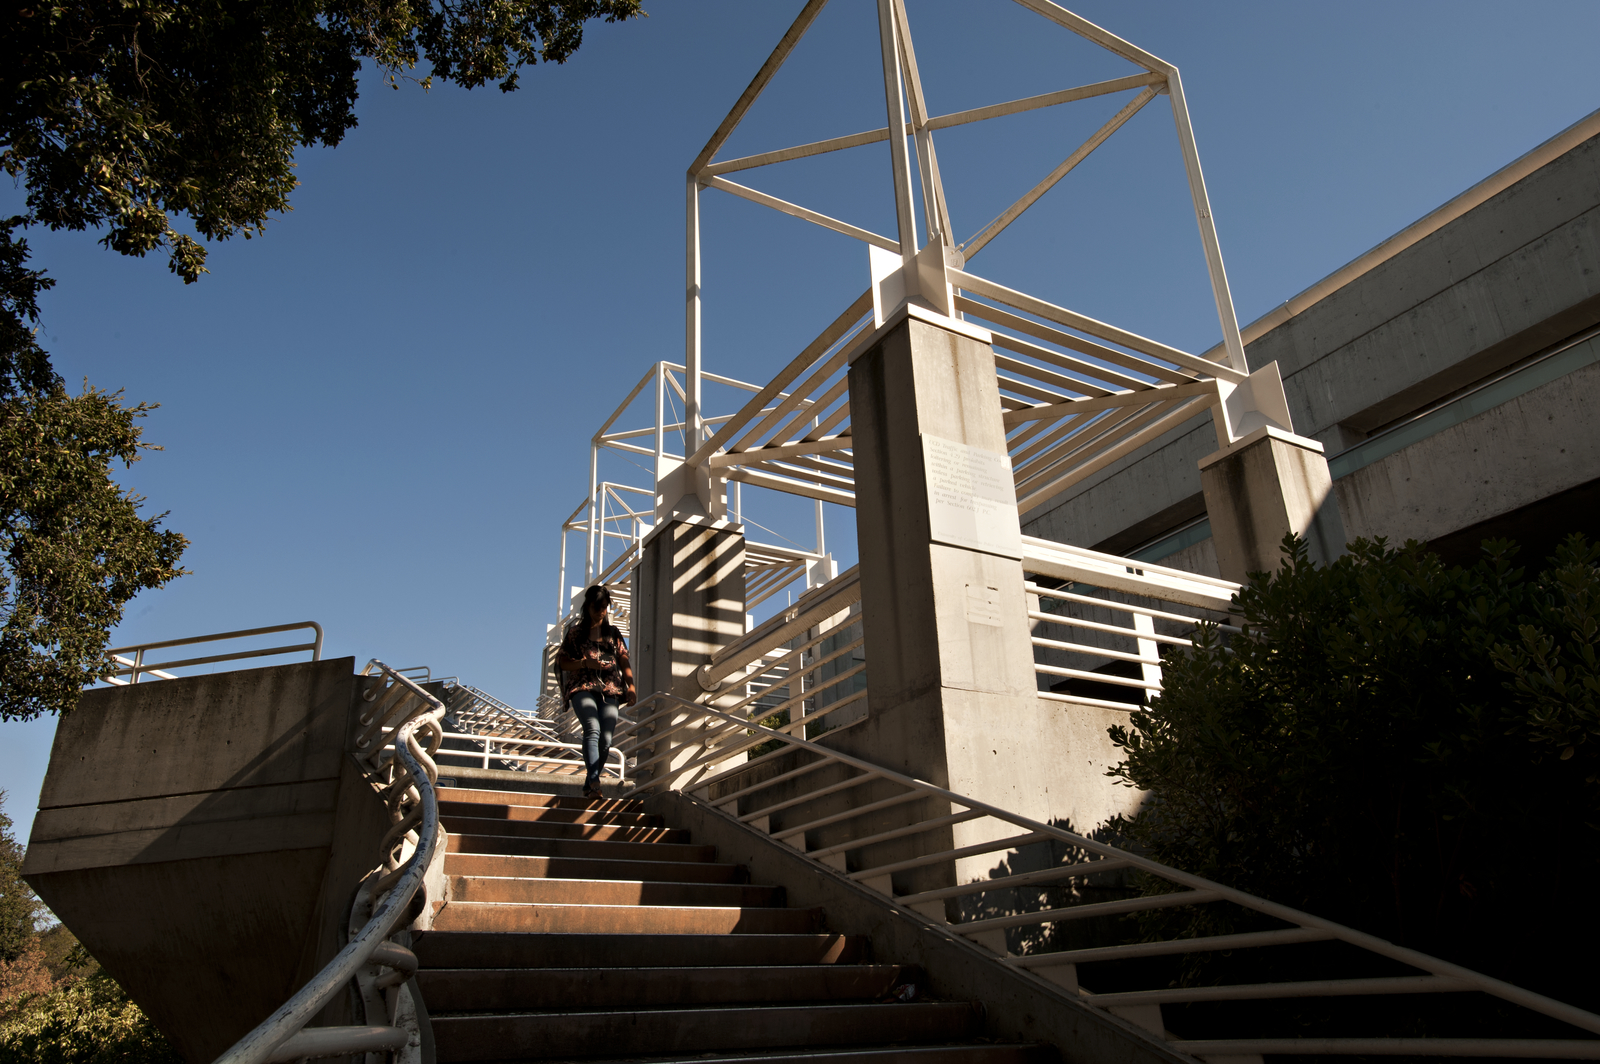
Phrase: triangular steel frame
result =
(906, 109)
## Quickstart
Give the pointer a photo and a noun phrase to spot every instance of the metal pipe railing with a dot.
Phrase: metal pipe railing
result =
(489, 755)
(414, 808)
(815, 606)
(1442, 976)
(134, 666)
(1089, 641)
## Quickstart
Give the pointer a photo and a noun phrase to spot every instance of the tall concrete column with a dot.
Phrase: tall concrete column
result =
(688, 603)
(953, 692)
(1258, 490)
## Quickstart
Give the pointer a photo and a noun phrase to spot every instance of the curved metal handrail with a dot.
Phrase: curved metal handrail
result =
(414, 800)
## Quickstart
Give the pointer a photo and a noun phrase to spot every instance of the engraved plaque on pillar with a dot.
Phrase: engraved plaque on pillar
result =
(972, 501)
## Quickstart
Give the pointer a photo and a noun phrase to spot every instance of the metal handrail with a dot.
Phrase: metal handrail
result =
(1056, 651)
(543, 744)
(1445, 976)
(414, 806)
(815, 605)
(135, 666)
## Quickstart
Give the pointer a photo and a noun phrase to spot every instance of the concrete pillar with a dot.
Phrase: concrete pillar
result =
(688, 603)
(1258, 490)
(953, 691)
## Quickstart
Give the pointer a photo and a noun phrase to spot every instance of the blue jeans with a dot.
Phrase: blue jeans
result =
(599, 719)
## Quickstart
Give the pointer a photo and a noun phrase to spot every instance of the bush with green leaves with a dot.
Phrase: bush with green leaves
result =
(84, 1021)
(1403, 746)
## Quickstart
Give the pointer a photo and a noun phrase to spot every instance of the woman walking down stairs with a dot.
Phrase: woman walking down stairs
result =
(587, 929)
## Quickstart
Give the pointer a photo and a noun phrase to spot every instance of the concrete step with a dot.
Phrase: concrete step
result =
(503, 989)
(634, 1032)
(625, 919)
(615, 851)
(536, 829)
(533, 798)
(460, 949)
(966, 1053)
(611, 892)
(514, 866)
(546, 814)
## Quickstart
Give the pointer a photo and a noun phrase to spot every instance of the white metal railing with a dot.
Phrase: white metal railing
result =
(846, 824)
(801, 667)
(131, 664)
(397, 707)
(1079, 394)
(480, 710)
(517, 740)
(561, 755)
(1079, 627)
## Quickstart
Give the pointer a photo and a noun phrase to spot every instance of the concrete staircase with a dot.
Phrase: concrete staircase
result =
(591, 930)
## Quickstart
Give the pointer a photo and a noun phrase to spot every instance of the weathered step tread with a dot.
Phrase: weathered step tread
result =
(536, 829)
(548, 814)
(575, 891)
(625, 919)
(480, 949)
(515, 866)
(535, 798)
(633, 1032)
(959, 1053)
(449, 990)
(634, 851)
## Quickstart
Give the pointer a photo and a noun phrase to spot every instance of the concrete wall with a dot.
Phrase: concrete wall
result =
(1504, 458)
(1515, 275)
(203, 838)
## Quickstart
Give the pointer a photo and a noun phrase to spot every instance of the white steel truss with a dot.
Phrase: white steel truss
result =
(1078, 393)
(615, 517)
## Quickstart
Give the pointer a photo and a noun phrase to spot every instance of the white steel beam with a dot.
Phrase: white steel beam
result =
(791, 37)
(893, 89)
(803, 213)
(936, 214)
(1049, 99)
(1090, 32)
(1229, 321)
(1013, 212)
(691, 354)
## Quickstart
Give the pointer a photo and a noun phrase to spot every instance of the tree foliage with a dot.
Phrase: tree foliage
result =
(81, 1020)
(162, 125)
(73, 547)
(20, 908)
(121, 114)
(1388, 743)
(56, 1005)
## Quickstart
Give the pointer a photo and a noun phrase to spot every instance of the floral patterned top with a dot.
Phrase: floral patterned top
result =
(613, 682)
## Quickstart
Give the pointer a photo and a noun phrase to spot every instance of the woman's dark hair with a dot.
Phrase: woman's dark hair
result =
(595, 599)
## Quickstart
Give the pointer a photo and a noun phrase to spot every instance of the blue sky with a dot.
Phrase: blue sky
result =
(375, 415)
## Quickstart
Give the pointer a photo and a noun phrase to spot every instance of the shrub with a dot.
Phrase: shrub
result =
(1408, 748)
(85, 1021)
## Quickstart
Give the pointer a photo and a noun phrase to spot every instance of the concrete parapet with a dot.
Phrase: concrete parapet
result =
(203, 837)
